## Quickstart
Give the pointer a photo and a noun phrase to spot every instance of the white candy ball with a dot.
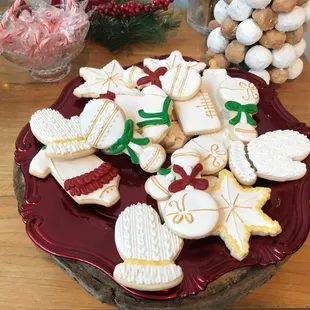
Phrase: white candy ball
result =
(292, 20)
(248, 32)
(300, 47)
(283, 57)
(220, 11)
(239, 10)
(307, 11)
(264, 74)
(216, 42)
(258, 58)
(295, 69)
(257, 4)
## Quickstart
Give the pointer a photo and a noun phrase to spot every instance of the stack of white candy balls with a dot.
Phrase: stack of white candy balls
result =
(266, 34)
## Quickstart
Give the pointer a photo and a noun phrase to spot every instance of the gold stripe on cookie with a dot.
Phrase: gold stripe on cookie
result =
(107, 189)
(96, 119)
(184, 81)
(131, 74)
(104, 128)
(68, 140)
(144, 262)
(186, 154)
(174, 80)
(159, 185)
(245, 130)
(148, 165)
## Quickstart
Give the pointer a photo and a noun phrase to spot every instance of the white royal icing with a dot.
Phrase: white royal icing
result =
(41, 166)
(173, 61)
(213, 153)
(243, 132)
(100, 81)
(140, 238)
(181, 83)
(132, 75)
(241, 215)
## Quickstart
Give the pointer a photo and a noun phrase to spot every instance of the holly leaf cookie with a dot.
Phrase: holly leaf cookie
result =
(241, 214)
(148, 249)
(100, 81)
(173, 61)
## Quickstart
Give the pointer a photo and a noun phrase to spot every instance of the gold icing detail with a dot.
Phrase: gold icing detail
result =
(184, 81)
(186, 154)
(250, 89)
(107, 190)
(175, 78)
(144, 262)
(245, 130)
(133, 69)
(68, 140)
(207, 105)
(149, 164)
(156, 182)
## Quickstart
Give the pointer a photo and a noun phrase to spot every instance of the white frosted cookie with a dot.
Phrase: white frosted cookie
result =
(243, 132)
(220, 11)
(248, 32)
(62, 137)
(181, 83)
(88, 180)
(216, 41)
(148, 250)
(241, 214)
(152, 158)
(274, 156)
(239, 10)
(197, 115)
(283, 57)
(185, 157)
(173, 61)
(239, 90)
(100, 81)
(132, 75)
(157, 187)
(292, 20)
(150, 110)
(213, 153)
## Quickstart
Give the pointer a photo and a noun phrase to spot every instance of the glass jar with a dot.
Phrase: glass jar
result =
(200, 13)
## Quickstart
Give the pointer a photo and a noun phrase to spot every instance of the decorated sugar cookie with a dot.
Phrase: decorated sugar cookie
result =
(190, 212)
(175, 138)
(213, 153)
(275, 156)
(241, 214)
(104, 127)
(148, 249)
(132, 75)
(100, 81)
(173, 61)
(181, 83)
(62, 137)
(150, 110)
(87, 180)
(197, 115)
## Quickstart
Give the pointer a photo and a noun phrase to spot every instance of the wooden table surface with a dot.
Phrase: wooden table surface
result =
(29, 278)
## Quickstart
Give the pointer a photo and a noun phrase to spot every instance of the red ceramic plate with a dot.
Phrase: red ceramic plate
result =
(61, 227)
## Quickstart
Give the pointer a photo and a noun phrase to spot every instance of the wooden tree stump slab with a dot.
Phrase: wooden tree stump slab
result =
(219, 294)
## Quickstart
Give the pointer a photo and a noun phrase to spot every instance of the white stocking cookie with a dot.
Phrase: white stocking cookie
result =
(173, 61)
(181, 83)
(274, 156)
(150, 110)
(100, 81)
(87, 180)
(241, 214)
(62, 137)
(197, 115)
(104, 127)
(213, 153)
(148, 250)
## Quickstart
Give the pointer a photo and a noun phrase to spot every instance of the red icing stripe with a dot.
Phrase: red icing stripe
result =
(91, 181)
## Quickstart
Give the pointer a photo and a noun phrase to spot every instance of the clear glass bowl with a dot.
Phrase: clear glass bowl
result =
(52, 65)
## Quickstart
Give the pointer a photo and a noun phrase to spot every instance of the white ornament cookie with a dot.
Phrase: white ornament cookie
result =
(173, 61)
(62, 137)
(248, 32)
(292, 20)
(274, 156)
(213, 153)
(150, 110)
(100, 81)
(239, 90)
(243, 132)
(132, 75)
(197, 115)
(239, 10)
(88, 180)
(216, 41)
(181, 83)
(104, 127)
(241, 214)
(148, 250)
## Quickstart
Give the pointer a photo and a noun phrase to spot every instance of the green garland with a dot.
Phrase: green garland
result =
(117, 33)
